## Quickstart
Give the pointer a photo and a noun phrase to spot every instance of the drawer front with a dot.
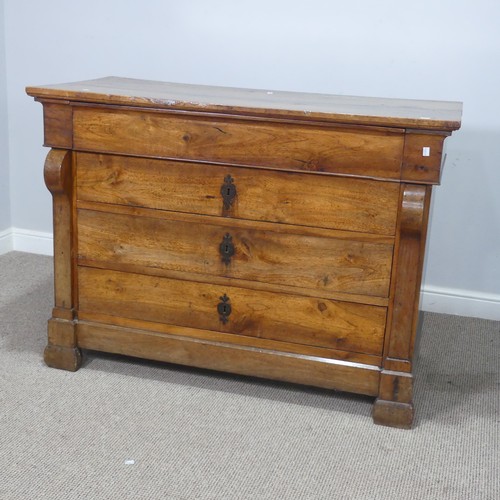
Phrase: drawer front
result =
(363, 151)
(196, 244)
(234, 310)
(263, 195)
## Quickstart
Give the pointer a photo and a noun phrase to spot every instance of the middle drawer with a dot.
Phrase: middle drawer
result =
(319, 259)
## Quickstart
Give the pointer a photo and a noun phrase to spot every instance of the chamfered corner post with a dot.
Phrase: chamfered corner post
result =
(62, 350)
(394, 405)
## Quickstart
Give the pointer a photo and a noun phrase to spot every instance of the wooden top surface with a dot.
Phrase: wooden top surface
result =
(433, 115)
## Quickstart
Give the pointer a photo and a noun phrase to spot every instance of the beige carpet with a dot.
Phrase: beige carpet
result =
(195, 434)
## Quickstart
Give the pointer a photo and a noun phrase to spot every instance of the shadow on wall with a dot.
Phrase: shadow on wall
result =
(463, 249)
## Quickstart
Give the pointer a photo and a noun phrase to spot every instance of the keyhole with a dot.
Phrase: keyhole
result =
(224, 308)
(228, 191)
(226, 249)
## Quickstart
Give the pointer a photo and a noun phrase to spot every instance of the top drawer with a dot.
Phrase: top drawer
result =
(363, 151)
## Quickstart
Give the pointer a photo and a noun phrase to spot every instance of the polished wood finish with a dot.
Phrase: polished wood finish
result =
(64, 358)
(337, 202)
(418, 168)
(302, 320)
(58, 124)
(246, 360)
(321, 261)
(407, 113)
(273, 234)
(58, 179)
(365, 151)
(394, 404)
(62, 351)
(232, 338)
(393, 414)
(407, 271)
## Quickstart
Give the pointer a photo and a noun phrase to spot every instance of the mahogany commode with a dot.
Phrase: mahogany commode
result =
(273, 234)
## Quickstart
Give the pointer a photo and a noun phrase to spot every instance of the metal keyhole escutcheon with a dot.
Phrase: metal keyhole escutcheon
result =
(228, 192)
(226, 248)
(224, 308)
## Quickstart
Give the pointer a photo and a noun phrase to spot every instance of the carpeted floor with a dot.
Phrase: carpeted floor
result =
(195, 434)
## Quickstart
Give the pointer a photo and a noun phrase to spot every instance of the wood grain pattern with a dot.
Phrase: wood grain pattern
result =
(58, 179)
(229, 222)
(394, 405)
(301, 320)
(407, 271)
(334, 202)
(259, 102)
(393, 414)
(63, 358)
(396, 386)
(317, 149)
(325, 199)
(276, 365)
(58, 124)
(232, 338)
(224, 281)
(417, 167)
(192, 245)
(61, 351)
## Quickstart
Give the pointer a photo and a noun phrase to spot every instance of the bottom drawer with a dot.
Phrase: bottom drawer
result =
(270, 315)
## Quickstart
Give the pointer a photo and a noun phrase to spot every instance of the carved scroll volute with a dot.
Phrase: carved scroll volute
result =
(413, 209)
(57, 171)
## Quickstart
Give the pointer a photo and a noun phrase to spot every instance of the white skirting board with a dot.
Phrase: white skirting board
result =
(433, 299)
(6, 243)
(26, 240)
(460, 302)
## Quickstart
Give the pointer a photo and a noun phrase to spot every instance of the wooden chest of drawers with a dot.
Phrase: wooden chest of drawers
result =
(272, 234)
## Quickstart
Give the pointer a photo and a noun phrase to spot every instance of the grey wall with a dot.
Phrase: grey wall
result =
(5, 221)
(445, 50)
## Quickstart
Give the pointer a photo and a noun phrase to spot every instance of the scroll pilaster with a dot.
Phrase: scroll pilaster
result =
(407, 275)
(394, 405)
(57, 175)
(62, 351)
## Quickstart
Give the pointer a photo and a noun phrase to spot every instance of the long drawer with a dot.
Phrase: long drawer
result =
(263, 195)
(370, 151)
(319, 259)
(276, 316)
